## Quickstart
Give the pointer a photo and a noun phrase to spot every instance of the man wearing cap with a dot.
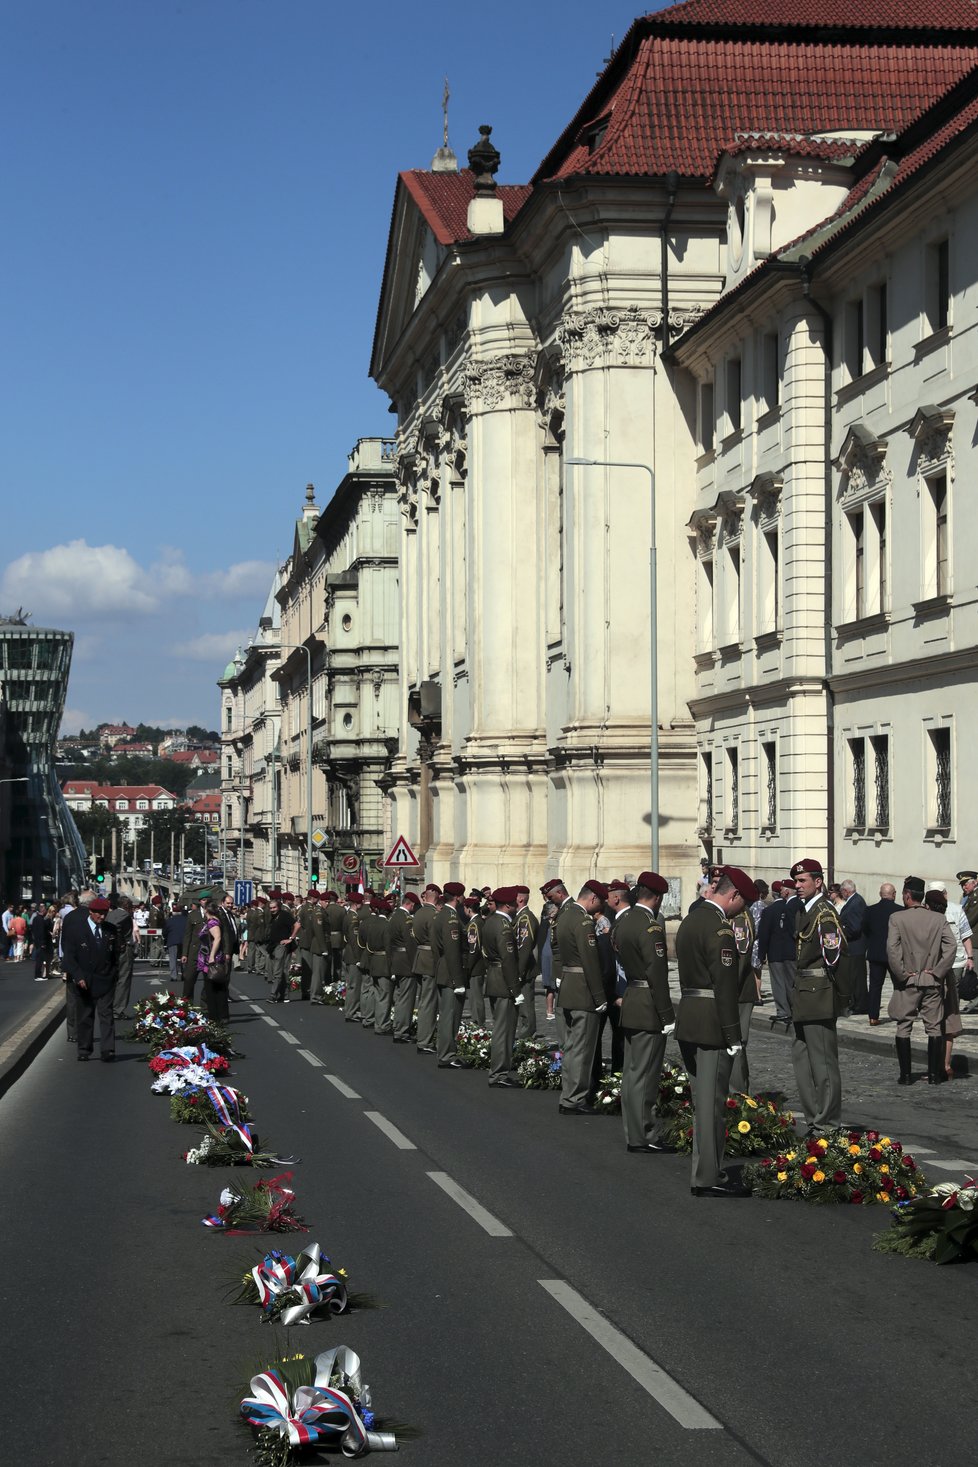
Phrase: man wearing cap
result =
(581, 996)
(307, 912)
(379, 946)
(318, 929)
(257, 928)
(525, 931)
(920, 948)
(647, 1015)
(191, 941)
(368, 994)
(448, 944)
(351, 954)
(969, 896)
(503, 986)
(708, 1025)
(90, 959)
(403, 949)
(821, 995)
(555, 892)
(424, 969)
(776, 947)
(748, 995)
(334, 910)
(282, 931)
(474, 962)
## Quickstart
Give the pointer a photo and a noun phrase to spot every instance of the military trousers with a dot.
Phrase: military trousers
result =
(477, 999)
(782, 976)
(368, 1000)
(582, 1029)
(910, 1003)
(249, 958)
(503, 1035)
(526, 1015)
(354, 984)
(709, 1077)
(318, 962)
(405, 993)
(305, 973)
(815, 1056)
(450, 1006)
(189, 975)
(427, 1011)
(86, 1008)
(71, 1020)
(740, 1073)
(334, 964)
(644, 1056)
(123, 984)
(383, 1002)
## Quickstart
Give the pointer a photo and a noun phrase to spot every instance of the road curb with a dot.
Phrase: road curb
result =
(17, 1052)
(962, 1063)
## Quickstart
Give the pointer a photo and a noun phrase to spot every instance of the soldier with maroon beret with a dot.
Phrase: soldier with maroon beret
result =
(581, 996)
(448, 942)
(424, 968)
(821, 994)
(647, 1014)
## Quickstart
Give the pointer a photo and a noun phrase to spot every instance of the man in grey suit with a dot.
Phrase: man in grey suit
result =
(920, 949)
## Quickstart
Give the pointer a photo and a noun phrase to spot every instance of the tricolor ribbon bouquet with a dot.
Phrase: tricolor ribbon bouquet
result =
(290, 1290)
(206, 1103)
(266, 1207)
(233, 1145)
(302, 1402)
(189, 1054)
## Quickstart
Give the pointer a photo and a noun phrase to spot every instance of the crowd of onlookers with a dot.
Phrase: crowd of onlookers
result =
(32, 930)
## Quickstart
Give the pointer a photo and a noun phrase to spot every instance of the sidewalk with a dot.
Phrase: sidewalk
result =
(856, 1033)
(29, 1014)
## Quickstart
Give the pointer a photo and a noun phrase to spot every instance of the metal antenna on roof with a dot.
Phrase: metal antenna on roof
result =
(444, 160)
(610, 56)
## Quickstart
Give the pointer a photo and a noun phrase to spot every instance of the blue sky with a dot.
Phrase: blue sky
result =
(196, 204)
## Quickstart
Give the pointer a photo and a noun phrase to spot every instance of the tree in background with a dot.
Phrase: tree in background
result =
(163, 823)
(95, 826)
(198, 735)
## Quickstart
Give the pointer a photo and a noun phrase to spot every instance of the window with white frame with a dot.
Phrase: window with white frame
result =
(856, 794)
(935, 544)
(706, 759)
(707, 423)
(768, 577)
(731, 594)
(732, 822)
(142, 804)
(865, 553)
(705, 608)
(937, 286)
(122, 804)
(768, 794)
(880, 747)
(940, 791)
(865, 331)
(733, 395)
(770, 371)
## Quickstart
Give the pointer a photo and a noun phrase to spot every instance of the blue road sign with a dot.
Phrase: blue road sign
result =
(244, 892)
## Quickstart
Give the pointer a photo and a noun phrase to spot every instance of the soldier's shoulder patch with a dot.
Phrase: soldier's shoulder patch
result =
(726, 957)
(660, 949)
(591, 940)
(831, 938)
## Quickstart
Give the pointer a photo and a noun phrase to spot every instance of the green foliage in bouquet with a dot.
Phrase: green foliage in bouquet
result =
(539, 1070)
(225, 1146)
(195, 1108)
(754, 1124)
(607, 1096)
(473, 1045)
(858, 1167)
(941, 1226)
(334, 994)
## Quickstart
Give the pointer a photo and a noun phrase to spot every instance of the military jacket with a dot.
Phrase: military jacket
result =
(640, 941)
(525, 929)
(318, 931)
(402, 943)
(191, 937)
(970, 908)
(475, 963)
(378, 940)
(256, 924)
(708, 962)
(556, 964)
(448, 939)
(363, 928)
(822, 987)
(581, 981)
(303, 939)
(502, 963)
(351, 946)
(334, 920)
(421, 926)
(744, 932)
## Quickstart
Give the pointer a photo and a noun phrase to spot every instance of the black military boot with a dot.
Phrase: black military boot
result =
(935, 1061)
(903, 1056)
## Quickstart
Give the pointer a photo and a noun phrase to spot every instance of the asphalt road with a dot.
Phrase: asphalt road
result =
(762, 1332)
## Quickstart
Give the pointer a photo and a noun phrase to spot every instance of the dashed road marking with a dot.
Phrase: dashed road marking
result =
(311, 1058)
(289, 1038)
(681, 1406)
(390, 1131)
(341, 1087)
(467, 1202)
(256, 1008)
(269, 1020)
(955, 1165)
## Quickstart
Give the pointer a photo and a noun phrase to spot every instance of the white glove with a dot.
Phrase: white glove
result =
(733, 1049)
(669, 1029)
(458, 992)
(602, 1008)
(520, 999)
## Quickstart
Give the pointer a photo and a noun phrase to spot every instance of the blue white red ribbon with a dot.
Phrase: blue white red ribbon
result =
(313, 1284)
(326, 1411)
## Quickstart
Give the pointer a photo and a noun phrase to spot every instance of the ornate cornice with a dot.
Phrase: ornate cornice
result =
(931, 431)
(862, 463)
(603, 337)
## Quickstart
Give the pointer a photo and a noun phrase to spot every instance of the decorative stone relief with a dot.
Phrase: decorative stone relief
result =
(702, 528)
(500, 382)
(862, 463)
(765, 490)
(931, 430)
(608, 337)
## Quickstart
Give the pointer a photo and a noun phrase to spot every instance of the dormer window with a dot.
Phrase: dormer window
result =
(592, 134)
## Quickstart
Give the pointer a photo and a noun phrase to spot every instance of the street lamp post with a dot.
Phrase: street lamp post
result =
(601, 463)
(301, 647)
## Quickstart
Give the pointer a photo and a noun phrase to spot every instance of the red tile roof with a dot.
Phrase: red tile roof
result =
(793, 145)
(444, 199)
(675, 92)
(113, 792)
(187, 756)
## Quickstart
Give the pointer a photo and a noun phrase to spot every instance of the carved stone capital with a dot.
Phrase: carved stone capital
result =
(601, 336)
(931, 431)
(500, 382)
(862, 463)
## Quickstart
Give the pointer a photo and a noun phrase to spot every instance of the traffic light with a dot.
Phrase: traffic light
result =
(100, 870)
(314, 870)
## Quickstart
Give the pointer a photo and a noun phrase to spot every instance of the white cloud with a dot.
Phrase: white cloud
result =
(211, 646)
(74, 720)
(245, 578)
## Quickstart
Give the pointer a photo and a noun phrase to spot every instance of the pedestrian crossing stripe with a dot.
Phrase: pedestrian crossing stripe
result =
(400, 855)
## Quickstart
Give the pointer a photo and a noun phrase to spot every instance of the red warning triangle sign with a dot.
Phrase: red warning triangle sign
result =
(400, 855)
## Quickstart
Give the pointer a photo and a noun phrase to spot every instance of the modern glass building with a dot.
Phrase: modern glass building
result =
(44, 853)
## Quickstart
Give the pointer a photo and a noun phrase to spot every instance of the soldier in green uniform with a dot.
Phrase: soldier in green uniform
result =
(448, 943)
(555, 892)
(196, 918)
(822, 993)
(364, 930)
(351, 956)
(964, 982)
(318, 948)
(474, 962)
(306, 912)
(525, 929)
(503, 987)
(744, 932)
(581, 995)
(424, 968)
(379, 946)
(403, 948)
(334, 919)
(647, 1014)
(708, 1026)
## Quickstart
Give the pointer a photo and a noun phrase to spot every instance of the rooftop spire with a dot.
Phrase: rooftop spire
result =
(444, 160)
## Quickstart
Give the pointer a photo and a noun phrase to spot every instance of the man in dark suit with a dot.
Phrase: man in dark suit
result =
(876, 925)
(89, 954)
(852, 915)
(776, 947)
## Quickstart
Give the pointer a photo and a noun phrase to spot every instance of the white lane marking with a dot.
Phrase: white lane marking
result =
(485, 1219)
(681, 1406)
(269, 1020)
(289, 1038)
(918, 1150)
(343, 1089)
(956, 1165)
(311, 1058)
(256, 1008)
(391, 1132)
